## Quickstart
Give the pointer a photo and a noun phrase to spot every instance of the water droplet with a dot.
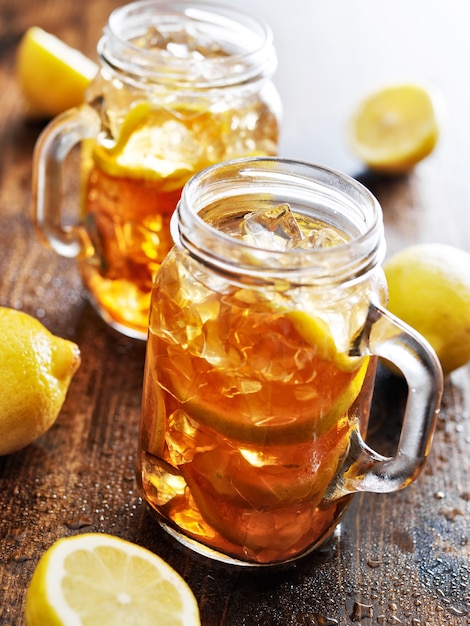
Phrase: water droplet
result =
(316, 619)
(361, 611)
(439, 495)
(78, 522)
(451, 514)
(457, 612)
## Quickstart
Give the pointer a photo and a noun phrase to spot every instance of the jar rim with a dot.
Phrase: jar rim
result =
(250, 53)
(288, 181)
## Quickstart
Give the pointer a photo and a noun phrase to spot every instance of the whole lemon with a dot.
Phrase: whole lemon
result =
(429, 289)
(36, 368)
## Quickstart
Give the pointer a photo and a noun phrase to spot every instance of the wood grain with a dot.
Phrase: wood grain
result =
(396, 559)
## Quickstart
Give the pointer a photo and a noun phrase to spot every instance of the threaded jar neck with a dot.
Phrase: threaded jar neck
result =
(197, 45)
(228, 191)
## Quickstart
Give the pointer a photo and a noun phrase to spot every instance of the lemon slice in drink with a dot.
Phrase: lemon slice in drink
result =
(315, 332)
(96, 579)
(138, 151)
(337, 380)
(394, 128)
(53, 76)
(313, 421)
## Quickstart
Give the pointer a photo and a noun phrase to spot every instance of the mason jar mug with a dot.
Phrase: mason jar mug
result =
(267, 320)
(181, 85)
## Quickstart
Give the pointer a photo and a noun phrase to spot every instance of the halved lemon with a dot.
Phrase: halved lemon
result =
(53, 76)
(96, 579)
(394, 128)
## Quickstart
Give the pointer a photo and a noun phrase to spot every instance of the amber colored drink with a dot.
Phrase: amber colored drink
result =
(132, 190)
(248, 410)
(130, 230)
(179, 88)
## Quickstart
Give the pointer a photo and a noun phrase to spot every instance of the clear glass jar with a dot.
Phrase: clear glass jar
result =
(266, 322)
(181, 85)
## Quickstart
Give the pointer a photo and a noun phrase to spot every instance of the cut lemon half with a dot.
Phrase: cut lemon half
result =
(96, 579)
(394, 128)
(53, 76)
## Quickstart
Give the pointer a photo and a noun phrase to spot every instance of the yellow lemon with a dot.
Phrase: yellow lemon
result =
(96, 579)
(394, 128)
(429, 287)
(52, 76)
(316, 332)
(36, 368)
(137, 152)
(337, 383)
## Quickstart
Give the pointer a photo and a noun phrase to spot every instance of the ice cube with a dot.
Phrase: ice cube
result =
(152, 39)
(273, 228)
(321, 237)
(185, 43)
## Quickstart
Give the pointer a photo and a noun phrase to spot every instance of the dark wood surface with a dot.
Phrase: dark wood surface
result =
(396, 559)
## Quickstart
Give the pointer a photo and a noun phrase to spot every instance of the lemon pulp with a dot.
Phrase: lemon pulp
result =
(96, 579)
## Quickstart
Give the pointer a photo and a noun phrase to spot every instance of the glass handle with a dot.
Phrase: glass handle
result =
(52, 147)
(364, 469)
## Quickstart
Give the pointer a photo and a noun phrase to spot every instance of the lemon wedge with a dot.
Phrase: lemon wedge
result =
(394, 128)
(53, 77)
(96, 579)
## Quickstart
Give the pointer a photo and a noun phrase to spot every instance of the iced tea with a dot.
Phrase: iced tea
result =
(180, 86)
(146, 152)
(249, 396)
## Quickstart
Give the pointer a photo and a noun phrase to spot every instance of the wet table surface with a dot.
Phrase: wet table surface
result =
(396, 559)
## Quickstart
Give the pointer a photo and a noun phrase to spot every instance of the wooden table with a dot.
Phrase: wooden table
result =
(396, 559)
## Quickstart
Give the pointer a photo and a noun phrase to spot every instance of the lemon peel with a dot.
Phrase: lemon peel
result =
(52, 76)
(135, 152)
(394, 128)
(316, 333)
(429, 289)
(36, 368)
(102, 580)
(298, 429)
